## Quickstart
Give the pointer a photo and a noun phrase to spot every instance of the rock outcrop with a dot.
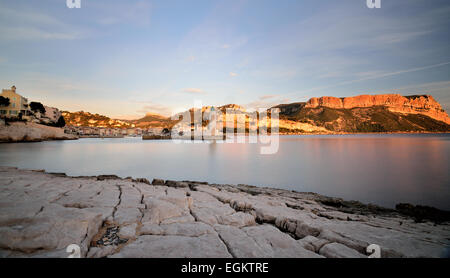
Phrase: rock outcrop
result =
(417, 104)
(106, 216)
(31, 132)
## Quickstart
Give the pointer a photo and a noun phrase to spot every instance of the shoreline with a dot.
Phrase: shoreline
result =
(418, 212)
(27, 137)
(109, 216)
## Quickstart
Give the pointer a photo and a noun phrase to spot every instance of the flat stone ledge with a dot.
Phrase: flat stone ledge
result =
(108, 216)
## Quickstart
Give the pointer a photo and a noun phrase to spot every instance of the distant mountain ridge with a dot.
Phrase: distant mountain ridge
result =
(364, 113)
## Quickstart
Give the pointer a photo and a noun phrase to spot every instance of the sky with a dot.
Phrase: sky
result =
(125, 58)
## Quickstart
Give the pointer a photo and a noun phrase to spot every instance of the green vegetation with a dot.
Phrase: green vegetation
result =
(37, 107)
(60, 123)
(4, 101)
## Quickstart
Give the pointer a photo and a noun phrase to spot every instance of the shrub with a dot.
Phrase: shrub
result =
(61, 122)
(37, 107)
(4, 101)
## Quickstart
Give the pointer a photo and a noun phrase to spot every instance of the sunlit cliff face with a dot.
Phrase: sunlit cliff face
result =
(423, 104)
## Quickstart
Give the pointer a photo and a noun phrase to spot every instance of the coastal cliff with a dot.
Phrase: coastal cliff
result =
(369, 113)
(107, 216)
(416, 104)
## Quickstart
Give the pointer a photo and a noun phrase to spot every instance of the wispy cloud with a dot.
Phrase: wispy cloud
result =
(156, 108)
(378, 76)
(333, 46)
(193, 91)
(126, 12)
(26, 16)
(387, 74)
(214, 36)
(267, 97)
(265, 102)
(32, 33)
(34, 25)
(190, 58)
(275, 72)
(370, 31)
(204, 50)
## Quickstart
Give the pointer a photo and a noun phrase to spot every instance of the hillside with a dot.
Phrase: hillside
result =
(87, 119)
(151, 120)
(379, 113)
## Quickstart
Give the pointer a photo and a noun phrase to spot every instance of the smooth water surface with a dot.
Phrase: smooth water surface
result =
(380, 169)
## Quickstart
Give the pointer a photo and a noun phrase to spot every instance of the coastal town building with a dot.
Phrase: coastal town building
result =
(17, 104)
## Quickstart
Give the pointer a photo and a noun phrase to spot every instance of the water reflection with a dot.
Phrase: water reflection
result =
(381, 169)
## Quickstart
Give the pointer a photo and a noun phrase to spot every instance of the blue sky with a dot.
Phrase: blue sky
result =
(123, 58)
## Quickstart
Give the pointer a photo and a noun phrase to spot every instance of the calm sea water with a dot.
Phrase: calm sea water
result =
(380, 169)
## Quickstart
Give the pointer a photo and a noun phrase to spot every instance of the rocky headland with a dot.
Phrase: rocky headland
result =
(107, 216)
(31, 132)
(368, 114)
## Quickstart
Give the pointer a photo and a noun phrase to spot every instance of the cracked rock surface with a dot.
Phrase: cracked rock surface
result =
(42, 213)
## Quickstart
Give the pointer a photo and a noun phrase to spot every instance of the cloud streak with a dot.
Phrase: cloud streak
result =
(126, 12)
(34, 25)
(155, 108)
(378, 76)
(193, 91)
(32, 33)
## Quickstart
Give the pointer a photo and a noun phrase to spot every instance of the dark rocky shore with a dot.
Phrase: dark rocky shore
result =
(107, 216)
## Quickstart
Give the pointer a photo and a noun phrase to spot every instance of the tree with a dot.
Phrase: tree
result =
(61, 122)
(37, 107)
(165, 131)
(4, 101)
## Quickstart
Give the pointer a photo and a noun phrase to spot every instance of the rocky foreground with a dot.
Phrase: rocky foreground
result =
(41, 214)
